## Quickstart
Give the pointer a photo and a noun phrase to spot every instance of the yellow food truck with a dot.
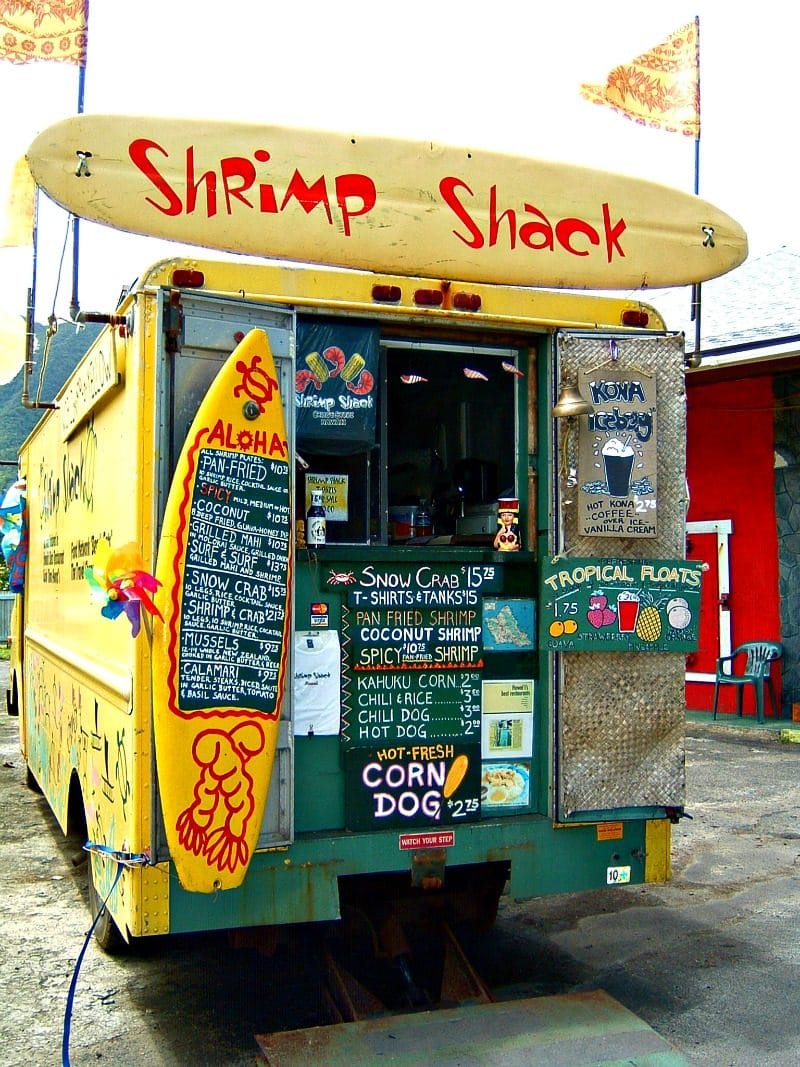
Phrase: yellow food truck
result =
(346, 587)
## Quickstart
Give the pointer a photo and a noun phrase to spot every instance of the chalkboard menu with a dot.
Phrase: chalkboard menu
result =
(407, 705)
(417, 638)
(235, 582)
(412, 785)
(412, 637)
(617, 454)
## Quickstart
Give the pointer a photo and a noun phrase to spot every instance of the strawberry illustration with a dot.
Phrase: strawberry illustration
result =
(599, 613)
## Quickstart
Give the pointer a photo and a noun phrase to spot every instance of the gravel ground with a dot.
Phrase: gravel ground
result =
(710, 961)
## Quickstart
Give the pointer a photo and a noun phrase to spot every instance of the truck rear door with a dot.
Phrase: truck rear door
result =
(199, 333)
(620, 608)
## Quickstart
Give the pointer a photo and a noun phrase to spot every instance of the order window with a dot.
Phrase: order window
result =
(411, 442)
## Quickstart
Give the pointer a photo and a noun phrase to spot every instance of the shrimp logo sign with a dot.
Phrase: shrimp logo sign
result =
(214, 824)
(336, 382)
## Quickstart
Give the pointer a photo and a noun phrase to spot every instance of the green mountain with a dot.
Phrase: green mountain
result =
(17, 421)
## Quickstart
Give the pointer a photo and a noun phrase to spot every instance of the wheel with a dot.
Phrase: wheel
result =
(106, 931)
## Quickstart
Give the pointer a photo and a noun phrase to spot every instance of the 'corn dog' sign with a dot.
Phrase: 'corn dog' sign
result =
(412, 785)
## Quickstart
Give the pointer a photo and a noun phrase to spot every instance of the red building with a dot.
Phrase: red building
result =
(743, 468)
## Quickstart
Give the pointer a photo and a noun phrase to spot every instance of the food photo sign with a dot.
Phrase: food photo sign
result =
(620, 605)
(617, 444)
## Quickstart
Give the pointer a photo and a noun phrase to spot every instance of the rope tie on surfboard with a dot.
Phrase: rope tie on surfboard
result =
(123, 860)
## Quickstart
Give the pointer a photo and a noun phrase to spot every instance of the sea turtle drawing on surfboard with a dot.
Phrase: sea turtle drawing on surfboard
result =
(220, 652)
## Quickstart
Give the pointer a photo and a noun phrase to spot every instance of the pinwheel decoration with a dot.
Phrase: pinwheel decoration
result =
(119, 581)
(14, 535)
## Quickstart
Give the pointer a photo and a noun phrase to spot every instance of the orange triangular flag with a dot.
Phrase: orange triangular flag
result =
(659, 88)
(43, 30)
(16, 222)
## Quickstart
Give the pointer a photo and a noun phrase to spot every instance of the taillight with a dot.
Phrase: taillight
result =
(635, 318)
(386, 294)
(467, 302)
(188, 279)
(429, 297)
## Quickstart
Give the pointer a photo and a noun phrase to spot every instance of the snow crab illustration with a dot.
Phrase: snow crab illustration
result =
(342, 578)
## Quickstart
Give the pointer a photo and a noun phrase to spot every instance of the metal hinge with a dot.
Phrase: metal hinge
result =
(173, 322)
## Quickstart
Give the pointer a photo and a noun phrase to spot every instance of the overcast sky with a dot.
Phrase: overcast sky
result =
(502, 76)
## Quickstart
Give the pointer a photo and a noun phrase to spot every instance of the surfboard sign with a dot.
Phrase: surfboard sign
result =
(381, 204)
(220, 652)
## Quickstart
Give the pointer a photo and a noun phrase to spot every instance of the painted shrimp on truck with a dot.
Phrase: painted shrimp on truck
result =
(254, 731)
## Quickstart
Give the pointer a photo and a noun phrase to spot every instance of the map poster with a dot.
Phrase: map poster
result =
(617, 454)
(509, 625)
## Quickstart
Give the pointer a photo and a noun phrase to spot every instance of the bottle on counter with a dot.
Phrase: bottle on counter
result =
(316, 524)
(424, 525)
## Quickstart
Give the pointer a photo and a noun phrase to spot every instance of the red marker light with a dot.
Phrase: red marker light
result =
(386, 294)
(188, 279)
(429, 297)
(467, 302)
(635, 318)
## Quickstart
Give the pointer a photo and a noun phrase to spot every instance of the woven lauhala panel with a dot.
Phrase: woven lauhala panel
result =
(620, 734)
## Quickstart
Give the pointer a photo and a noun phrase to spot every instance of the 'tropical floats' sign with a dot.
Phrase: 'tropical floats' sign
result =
(620, 605)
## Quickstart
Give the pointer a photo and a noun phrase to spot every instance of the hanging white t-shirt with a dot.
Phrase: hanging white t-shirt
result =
(317, 688)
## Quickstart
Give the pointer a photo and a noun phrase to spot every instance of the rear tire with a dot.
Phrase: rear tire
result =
(106, 931)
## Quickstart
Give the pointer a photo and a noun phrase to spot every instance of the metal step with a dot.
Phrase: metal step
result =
(586, 1029)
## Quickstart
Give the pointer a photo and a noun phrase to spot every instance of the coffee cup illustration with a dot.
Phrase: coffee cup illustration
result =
(618, 463)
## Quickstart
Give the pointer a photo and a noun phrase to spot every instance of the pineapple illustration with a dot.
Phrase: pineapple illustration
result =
(648, 625)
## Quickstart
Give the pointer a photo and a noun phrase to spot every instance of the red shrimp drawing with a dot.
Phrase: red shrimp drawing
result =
(363, 385)
(215, 823)
(303, 379)
(334, 356)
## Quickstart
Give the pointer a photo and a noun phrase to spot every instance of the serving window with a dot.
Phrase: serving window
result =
(410, 442)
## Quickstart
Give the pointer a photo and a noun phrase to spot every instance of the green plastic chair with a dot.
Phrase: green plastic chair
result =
(760, 655)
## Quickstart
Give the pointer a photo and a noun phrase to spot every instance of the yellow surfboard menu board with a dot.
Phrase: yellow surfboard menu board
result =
(220, 653)
(382, 204)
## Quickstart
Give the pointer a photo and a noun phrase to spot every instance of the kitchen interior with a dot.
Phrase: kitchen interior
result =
(445, 448)
(450, 441)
